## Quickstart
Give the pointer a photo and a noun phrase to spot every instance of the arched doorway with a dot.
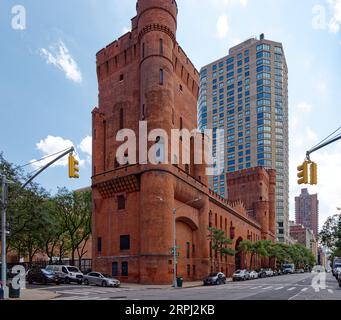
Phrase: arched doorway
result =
(239, 258)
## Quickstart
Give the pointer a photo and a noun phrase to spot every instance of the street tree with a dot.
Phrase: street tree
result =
(74, 211)
(219, 245)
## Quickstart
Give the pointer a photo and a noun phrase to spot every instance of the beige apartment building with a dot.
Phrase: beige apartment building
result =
(246, 94)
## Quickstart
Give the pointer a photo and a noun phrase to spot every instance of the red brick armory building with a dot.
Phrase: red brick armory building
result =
(145, 75)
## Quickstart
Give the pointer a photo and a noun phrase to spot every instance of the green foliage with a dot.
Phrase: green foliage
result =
(282, 253)
(330, 236)
(219, 245)
(41, 223)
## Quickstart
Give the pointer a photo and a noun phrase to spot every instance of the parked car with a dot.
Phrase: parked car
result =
(269, 272)
(100, 279)
(241, 275)
(217, 278)
(337, 273)
(336, 264)
(338, 270)
(253, 274)
(288, 268)
(300, 271)
(42, 276)
(261, 273)
(67, 274)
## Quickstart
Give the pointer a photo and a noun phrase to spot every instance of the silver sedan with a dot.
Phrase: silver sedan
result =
(100, 279)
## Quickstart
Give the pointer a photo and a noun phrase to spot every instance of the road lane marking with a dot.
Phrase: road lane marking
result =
(304, 289)
(291, 289)
(330, 291)
(280, 288)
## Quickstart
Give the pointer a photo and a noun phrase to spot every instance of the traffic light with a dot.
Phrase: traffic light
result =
(73, 167)
(303, 173)
(313, 173)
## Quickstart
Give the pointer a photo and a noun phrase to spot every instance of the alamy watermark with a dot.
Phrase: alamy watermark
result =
(17, 280)
(18, 21)
(197, 148)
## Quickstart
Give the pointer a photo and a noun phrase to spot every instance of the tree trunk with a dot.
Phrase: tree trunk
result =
(73, 256)
(251, 261)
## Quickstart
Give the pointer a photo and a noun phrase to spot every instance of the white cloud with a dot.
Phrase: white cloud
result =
(86, 145)
(229, 3)
(304, 106)
(125, 30)
(222, 26)
(244, 3)
(51, 145)
(335, 23)
(59, 56)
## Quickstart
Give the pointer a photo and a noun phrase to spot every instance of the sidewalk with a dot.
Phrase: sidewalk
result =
(36, 294)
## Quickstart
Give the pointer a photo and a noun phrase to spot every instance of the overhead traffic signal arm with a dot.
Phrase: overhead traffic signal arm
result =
(71, 149)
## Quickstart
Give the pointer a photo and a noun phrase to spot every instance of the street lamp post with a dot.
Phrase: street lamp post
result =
(4, 186)
(175, 251)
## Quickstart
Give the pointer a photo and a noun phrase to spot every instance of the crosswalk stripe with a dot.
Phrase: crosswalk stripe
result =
(280, 288)
(304, 289)
(82, 293)
(330, 291)
(254, 288)
(291, 289)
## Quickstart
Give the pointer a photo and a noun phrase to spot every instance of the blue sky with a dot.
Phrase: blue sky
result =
(48, 83)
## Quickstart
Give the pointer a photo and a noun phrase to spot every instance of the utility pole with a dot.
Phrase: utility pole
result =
(4, 186)
(4, 201)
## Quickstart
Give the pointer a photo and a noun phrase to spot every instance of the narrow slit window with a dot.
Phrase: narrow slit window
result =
(161, 77)
(161, 47)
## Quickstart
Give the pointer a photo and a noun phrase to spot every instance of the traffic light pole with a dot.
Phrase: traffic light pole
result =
(322, 146)
(3, 236)
(47, 166)
(4, 200)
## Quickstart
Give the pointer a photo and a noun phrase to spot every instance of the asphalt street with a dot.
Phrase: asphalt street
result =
(290, 287)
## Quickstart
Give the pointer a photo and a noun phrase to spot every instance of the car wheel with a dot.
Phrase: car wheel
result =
(30, 281)
(86, 282)
(80, 282)
(104, 283)
(67, 280)
(340, 284)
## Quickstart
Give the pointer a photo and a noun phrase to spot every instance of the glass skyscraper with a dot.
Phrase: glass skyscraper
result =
(246, 95)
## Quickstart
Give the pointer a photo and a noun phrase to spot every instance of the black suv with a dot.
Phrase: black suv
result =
(42, 276)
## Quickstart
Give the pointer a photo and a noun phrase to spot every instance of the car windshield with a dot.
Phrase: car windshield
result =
(238, 271)
(106, 275)
(213, 274)
(73, 269)
(48, 272)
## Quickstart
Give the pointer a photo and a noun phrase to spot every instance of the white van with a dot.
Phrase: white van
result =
(67, 274)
